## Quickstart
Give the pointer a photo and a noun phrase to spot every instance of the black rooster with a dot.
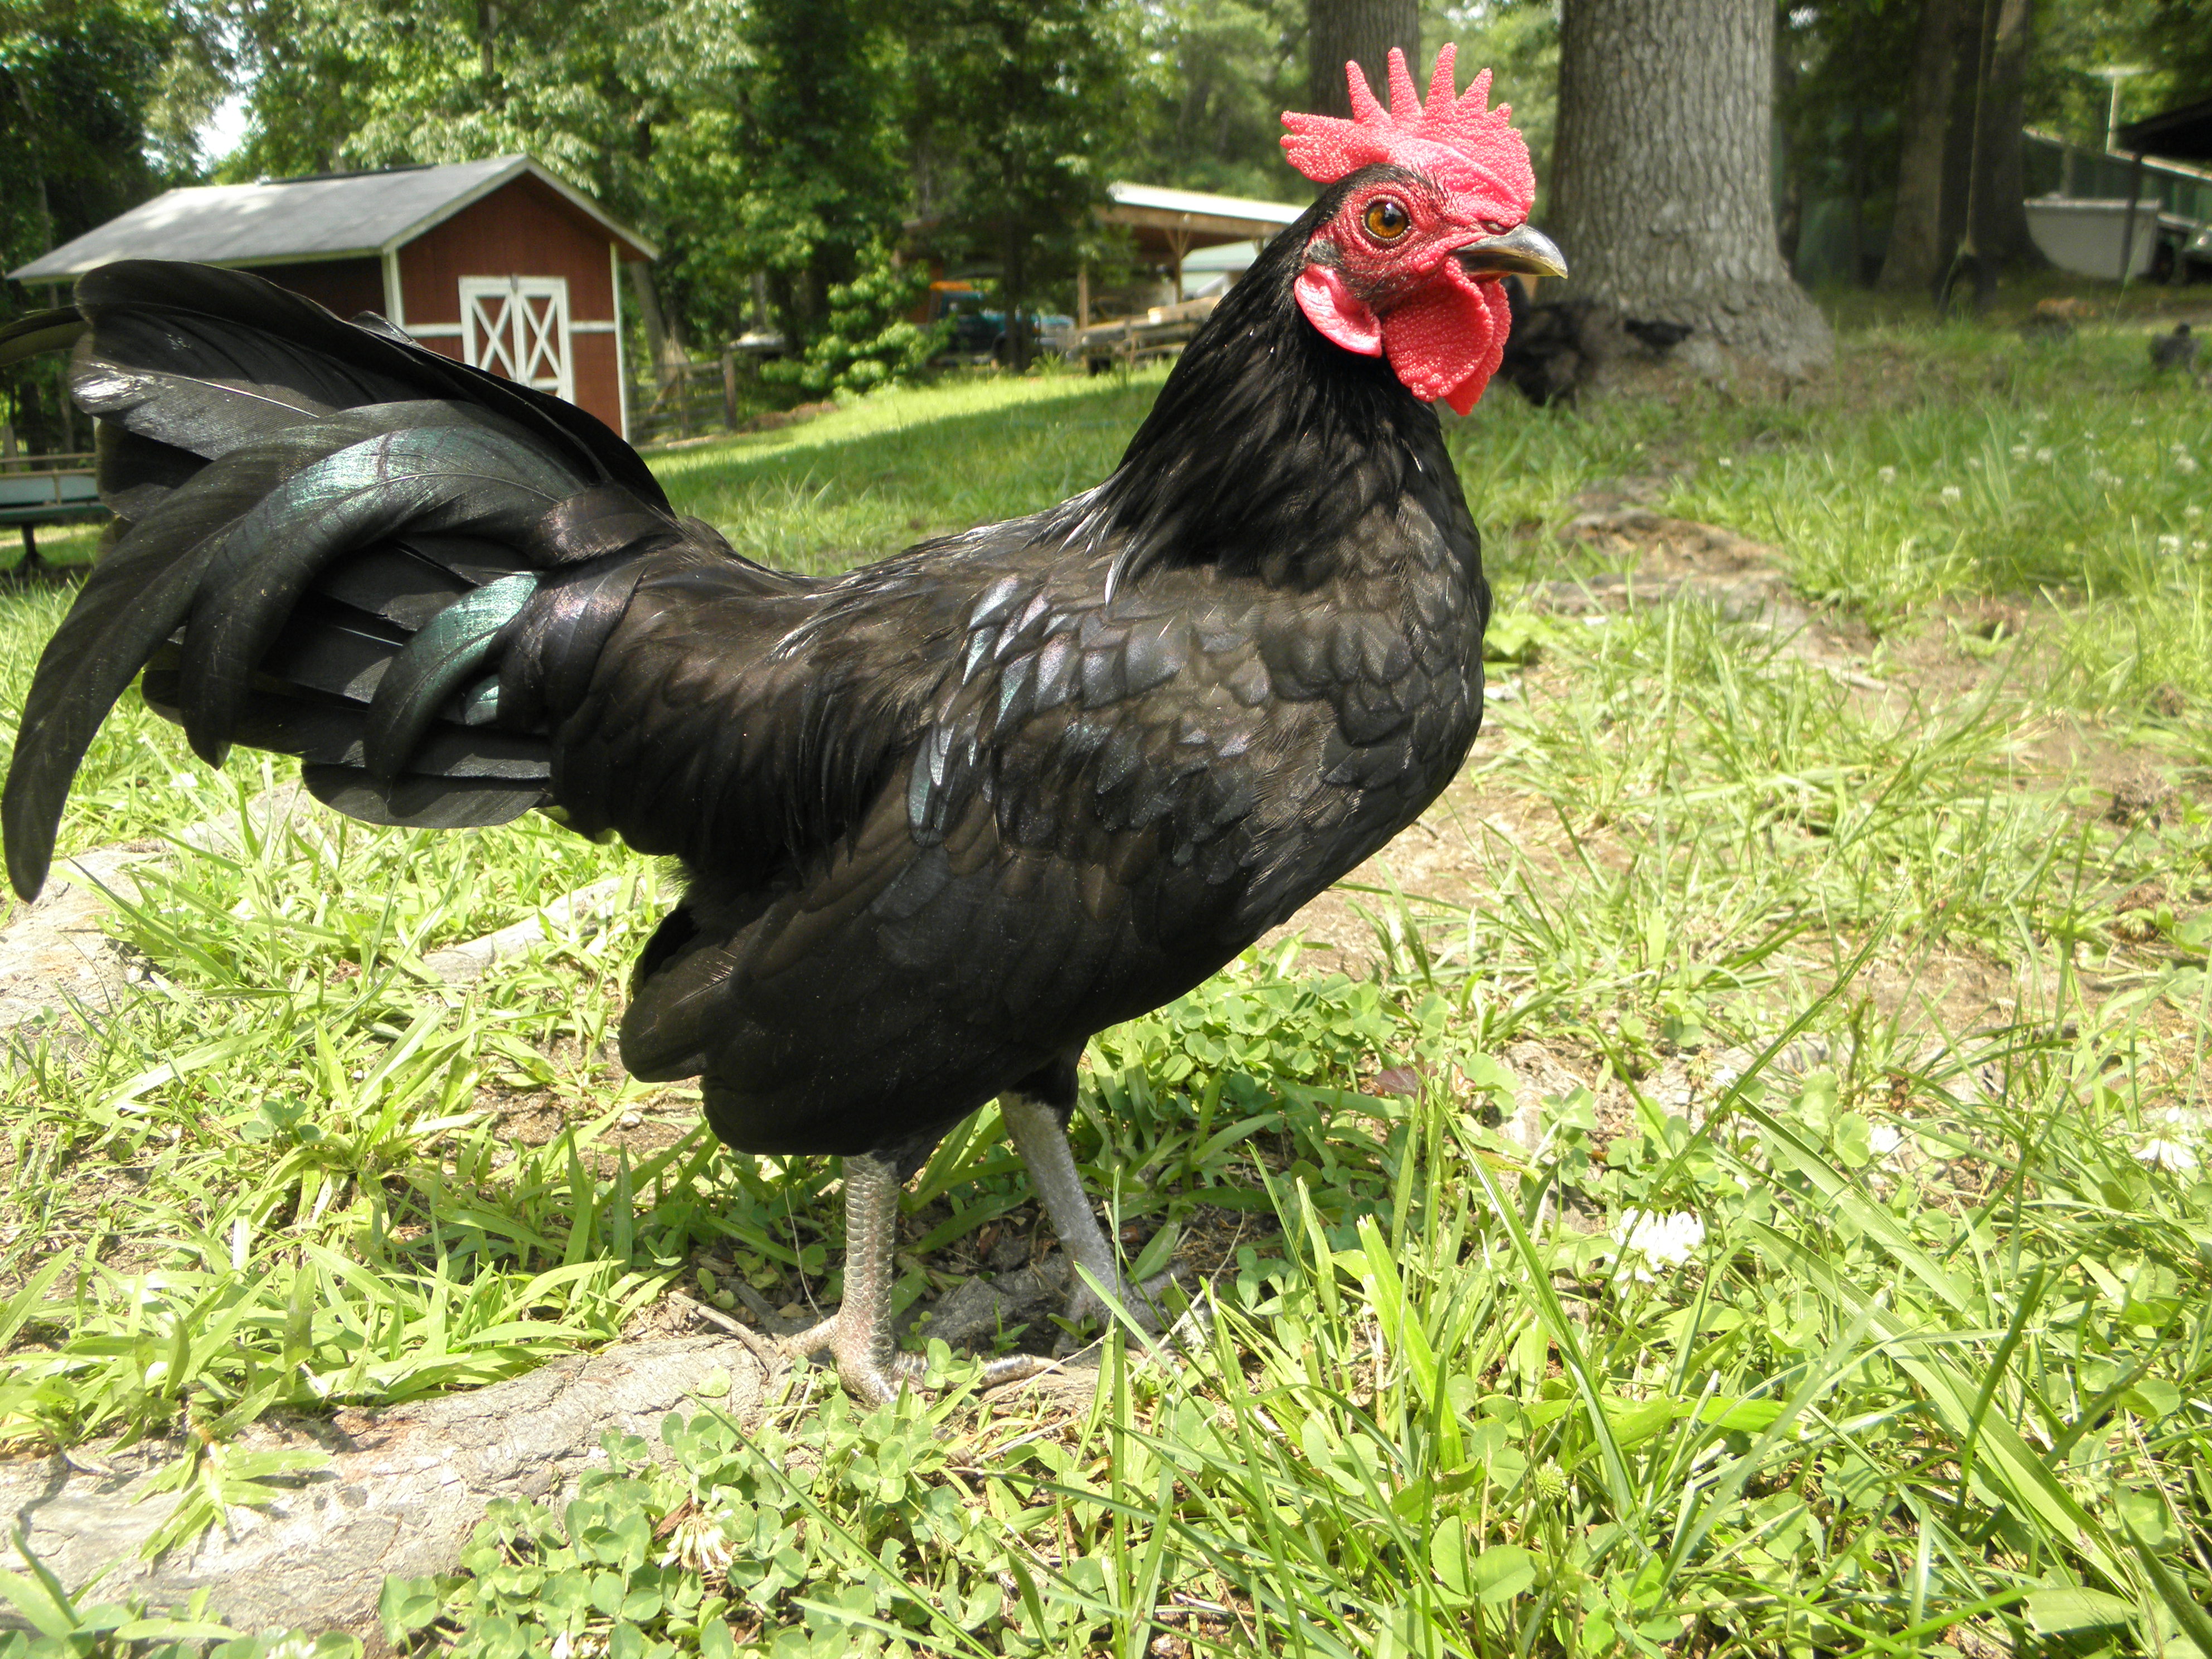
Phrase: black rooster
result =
(1658, 336)
(1544, 361)
(942, 818)
(2174, 350)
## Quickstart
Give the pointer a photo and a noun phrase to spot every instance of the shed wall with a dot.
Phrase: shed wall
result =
(521, 229)
(345, 286)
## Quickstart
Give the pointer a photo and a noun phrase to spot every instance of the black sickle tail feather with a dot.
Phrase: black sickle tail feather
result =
(331, 543)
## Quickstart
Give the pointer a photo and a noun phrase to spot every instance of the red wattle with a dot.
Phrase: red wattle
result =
(1342, 315)
(1446, 340)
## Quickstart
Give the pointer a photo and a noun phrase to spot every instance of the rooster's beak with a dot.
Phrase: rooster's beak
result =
(1526, 251)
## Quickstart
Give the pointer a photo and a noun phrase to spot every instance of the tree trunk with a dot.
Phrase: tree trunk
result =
(2001, 233)
(1918, 251)
(1856, 227)
(32, 130)
(1957, 214)
(661, 344)
(487, 31)
(1663, 184)
(1013, 293)
(1339, 32)
(1789, 209)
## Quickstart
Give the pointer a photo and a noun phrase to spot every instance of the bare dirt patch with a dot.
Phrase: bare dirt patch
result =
(1455, 859)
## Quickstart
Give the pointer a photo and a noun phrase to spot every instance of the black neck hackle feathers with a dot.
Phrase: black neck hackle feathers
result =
(1268, 444)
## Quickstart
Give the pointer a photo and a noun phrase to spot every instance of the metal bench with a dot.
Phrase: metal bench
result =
(46, 493)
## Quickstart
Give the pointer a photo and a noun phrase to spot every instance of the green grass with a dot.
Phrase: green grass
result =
(1868, 981)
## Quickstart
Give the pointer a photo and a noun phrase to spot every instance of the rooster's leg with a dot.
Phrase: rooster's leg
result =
(858, 1336)
(1040, 1135)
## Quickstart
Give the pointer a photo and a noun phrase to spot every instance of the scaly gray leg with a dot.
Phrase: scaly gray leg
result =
(858, 1336)
(1040, 1137)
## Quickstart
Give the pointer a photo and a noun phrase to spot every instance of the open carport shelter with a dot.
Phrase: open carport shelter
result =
(1167, 224)
(498, 263)
(2175, 135)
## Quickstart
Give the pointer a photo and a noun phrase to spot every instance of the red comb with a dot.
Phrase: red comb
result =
(1460, 128)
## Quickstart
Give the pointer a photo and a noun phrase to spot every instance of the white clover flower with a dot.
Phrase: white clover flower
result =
(1886, 474)
(1727, 461)
(2139, 421)
(2185, 464)
(1653, 1244)
(1885, 1139)
(2019, 451)
(2168, 1155)
(1952, 493)
(2183, 1123)
(2046, 455)
(1973, 463)
(2192, 511)
(698, 1545)
(2169, 544)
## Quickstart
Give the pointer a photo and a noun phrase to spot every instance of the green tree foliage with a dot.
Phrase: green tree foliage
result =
(803, 176)
(742, 140)
(98, 100)
(591, 88)
(2177, 40)
(2171, 40)
(1229, 70)
(869, 339)
(1845, 65)
(1841, 74)
(1022, 108)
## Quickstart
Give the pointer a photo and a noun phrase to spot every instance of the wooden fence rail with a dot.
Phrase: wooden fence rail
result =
(695, 399)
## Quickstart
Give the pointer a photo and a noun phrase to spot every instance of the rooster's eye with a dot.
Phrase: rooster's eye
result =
(1386, 220)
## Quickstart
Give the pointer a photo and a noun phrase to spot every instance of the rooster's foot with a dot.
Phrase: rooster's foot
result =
(869, 1376)
(867, 1373)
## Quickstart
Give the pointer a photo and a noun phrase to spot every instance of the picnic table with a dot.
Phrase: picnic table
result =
(36, 489)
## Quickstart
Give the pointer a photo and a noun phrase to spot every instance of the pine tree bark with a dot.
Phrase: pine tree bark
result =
(1339, 32)
(1663, 184)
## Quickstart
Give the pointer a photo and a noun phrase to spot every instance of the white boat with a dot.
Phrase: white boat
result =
(2082, 235)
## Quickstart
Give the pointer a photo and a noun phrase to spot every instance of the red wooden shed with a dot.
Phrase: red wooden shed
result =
(501, 263)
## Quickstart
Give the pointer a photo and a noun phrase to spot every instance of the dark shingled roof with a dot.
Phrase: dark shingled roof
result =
(337, 216)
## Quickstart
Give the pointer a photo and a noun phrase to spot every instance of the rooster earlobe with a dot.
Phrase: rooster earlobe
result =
(1342, 315)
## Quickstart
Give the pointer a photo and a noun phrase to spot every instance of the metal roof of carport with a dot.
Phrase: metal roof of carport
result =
(1193, 218)
(338, 216)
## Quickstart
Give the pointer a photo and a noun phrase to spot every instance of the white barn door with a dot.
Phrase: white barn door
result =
(518, 327)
